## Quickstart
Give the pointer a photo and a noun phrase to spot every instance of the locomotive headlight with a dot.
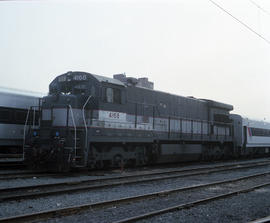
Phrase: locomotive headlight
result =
(35, 133)
(56, 134)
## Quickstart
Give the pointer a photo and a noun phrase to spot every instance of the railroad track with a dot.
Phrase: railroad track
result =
(27, 174)
(261, 220)
(34, 191)
(30, 174)
(44, 215)
(190, 204)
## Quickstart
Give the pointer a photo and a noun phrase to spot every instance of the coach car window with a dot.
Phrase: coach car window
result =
(4, 114)
(260, 132)
(20, 116)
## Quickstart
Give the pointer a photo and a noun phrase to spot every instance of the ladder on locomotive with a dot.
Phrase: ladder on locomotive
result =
(79, 149)
(81, 153)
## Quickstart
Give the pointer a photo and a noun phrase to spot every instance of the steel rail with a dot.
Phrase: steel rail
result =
(30, 174)
(8, 164)
(23, 175)
(190, 204)
(76, 185)
(236, 165)
(261, 220)
(79, 208)
(18, 172)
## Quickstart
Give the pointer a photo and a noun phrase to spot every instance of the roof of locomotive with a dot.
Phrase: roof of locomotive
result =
(108, 80)
(79, 75)
(217, 104)
(105, 79)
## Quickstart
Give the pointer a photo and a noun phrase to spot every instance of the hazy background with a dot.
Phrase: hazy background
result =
(189, 48)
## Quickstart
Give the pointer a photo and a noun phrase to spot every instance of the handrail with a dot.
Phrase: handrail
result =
(39, 111)
(183, 128)
(74, 125)
(34, 116)
(24, 130)
(84, 121)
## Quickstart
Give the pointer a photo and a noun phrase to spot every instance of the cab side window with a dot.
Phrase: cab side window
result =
(117, 96)
(113, 95)
(109, 95)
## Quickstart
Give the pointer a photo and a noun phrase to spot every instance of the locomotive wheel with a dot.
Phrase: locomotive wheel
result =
(131, 162)
(118, 160)
(217, 153)
(99, 164)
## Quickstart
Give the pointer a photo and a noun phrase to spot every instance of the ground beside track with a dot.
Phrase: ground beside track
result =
(59, 201)
(241, 208)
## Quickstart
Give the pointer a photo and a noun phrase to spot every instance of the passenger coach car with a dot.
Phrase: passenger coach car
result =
(14, 105)
(252, 137)
(93, 121)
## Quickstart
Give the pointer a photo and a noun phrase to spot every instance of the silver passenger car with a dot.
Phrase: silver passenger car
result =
(14, 106)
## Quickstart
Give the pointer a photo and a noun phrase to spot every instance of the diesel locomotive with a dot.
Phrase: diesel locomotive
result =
(94, 121)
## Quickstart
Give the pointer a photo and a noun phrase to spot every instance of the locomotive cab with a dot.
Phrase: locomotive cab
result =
(66, 114)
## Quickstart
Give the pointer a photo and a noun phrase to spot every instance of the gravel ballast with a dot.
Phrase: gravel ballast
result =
(28, 206)
(241, 208)
(92, 175)
(119, 212)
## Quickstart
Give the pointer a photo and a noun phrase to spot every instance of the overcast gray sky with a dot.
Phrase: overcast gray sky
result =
(189, 48)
